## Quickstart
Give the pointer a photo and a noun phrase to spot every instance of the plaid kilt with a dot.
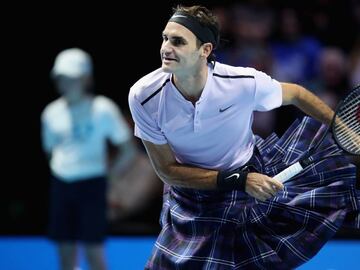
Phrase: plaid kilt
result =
(232, 230)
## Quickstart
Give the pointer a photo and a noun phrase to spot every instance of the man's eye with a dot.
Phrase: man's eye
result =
(177, 42)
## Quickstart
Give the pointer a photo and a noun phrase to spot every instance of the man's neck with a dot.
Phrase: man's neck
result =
(78, 101)
(192, 85)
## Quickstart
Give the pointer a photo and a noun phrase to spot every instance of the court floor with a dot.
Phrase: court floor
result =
(130, 253)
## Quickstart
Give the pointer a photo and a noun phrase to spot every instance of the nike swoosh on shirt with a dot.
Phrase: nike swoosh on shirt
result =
(223, 110)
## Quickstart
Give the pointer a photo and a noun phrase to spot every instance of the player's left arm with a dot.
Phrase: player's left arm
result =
(309, 103)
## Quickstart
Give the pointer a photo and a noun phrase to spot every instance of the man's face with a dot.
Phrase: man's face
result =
(71, 88)
(179, 51)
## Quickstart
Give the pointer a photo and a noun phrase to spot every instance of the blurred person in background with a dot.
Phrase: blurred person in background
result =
(295, 58)
(250, 28)
(76, 129)
(354, 66)
(295, 55)
(332, 81)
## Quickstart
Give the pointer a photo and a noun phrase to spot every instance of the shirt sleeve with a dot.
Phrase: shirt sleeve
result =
(48, 139)
(146, 127)
(118, 130)
(268, 92)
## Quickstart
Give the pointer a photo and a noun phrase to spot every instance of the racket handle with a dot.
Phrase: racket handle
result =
(289, 172)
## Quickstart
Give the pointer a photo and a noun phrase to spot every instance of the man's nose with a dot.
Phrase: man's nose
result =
(166, 47)
(166, 52)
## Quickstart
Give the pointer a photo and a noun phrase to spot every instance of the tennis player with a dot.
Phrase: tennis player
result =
(222, 209)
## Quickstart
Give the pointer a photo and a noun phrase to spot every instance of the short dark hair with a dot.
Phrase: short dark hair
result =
(206, 18)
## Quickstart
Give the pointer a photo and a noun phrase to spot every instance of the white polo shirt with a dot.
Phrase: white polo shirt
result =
(216, 132)
(75, 136)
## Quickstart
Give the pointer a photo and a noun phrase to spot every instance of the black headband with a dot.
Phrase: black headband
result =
(204, 33)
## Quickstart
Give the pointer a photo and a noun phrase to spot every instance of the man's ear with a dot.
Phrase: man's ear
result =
(206, 49)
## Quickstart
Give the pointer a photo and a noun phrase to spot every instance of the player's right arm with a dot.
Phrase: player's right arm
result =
(171, 172)
(174, 173)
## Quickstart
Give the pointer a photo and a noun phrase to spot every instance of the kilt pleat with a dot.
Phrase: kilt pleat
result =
(232, 230)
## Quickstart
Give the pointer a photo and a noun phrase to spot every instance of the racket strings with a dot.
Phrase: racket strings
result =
(349, 105)
(347, 130)
(351, 124)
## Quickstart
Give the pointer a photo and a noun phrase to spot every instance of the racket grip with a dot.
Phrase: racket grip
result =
(289, 172)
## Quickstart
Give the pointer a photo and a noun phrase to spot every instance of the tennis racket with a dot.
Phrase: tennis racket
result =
(345, 128)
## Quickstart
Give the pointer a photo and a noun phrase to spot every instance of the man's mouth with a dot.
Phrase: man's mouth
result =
(168, 59)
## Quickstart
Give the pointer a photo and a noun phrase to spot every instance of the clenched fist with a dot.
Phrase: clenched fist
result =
(261, 186)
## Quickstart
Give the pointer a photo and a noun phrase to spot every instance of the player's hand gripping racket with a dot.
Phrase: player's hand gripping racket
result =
(345, 127)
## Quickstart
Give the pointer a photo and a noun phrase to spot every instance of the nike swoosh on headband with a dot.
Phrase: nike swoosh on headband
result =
(176, 16)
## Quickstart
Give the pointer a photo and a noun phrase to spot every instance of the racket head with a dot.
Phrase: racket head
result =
(346, 123)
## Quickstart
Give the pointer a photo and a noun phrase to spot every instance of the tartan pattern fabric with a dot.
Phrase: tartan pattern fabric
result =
(232, 230)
